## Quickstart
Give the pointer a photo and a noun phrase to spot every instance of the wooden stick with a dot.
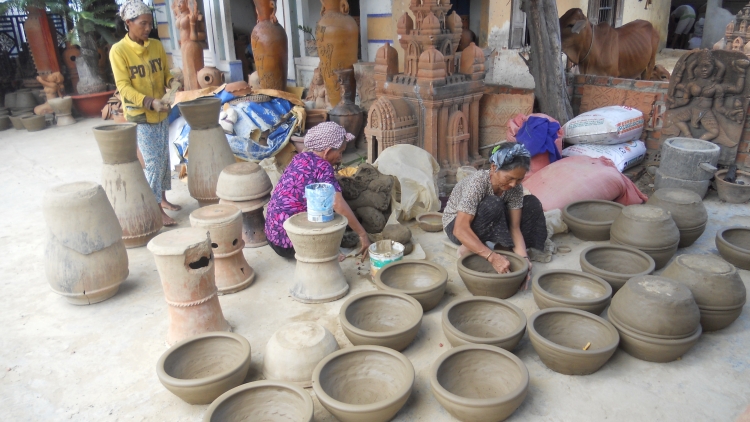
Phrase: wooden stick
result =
(587, 346)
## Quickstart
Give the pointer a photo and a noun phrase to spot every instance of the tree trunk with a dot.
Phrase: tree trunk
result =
(89, 81)
(545, 59)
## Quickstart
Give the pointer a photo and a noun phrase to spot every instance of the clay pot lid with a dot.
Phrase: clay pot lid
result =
(715, 283)
(448, 323)
(215, 215)
(243, 182)
(646, 213)
(270, 401)
(706, 264)
(299, 224)
(436, 278)
(593, 212)
(656, 306)
(605, 328)
(177, 241)
(296, 348)
(730, 235)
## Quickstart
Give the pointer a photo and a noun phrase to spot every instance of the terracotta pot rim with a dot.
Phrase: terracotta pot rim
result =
(198, 382)
(622, 248)
(368, 408)
(380, 335)
(439, 285)
(302, 394)
(330, 227)
(568, 350)
(447, 324)
(524, 270)
(567, 214)
(612, 317)
(114, 127)
(628, 332)
(425, 214)
(572, 301)
(465, 401)
(720, 238)
(724, 182)
(711, 146)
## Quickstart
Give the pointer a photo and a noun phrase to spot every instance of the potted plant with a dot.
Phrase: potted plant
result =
(310, 45)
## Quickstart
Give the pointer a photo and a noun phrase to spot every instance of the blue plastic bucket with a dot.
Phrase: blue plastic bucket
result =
(320, 198)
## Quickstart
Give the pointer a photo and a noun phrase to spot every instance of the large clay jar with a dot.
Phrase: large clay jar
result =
(209, 150)
(649, 229)
(347, 113)
(270, 47)
(186, 268)
(687, 210)
(85, 258)
(716, 286)
(336, 36)
(224, 224)
(126, 185)
(62, 108)
(317, 277)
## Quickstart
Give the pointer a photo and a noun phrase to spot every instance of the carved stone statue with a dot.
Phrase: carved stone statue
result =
(317, 96)
(189, 22)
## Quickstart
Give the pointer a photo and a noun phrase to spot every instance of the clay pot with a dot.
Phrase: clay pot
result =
(62, 108)
(269, 401)
(91, 105)
(34, 123)
(423, 280)
(210, 76)
(662, 181)
(270, 47)
(126, 186)
(336, 35)
(716, 286)
(209, 149)
(346, 113)
(430, 221)
(4, 122)
(482, 280)
(10, 100)
(483, 320)
(616, 264)
(317, 276)
(649, 229)
(571, 341)
(732, 192)
(186, 268)
(295, 350)
(688, 159)
(381, 318)
(25, 99)
(571, 289)
(253, 221)
(16, 122)
(687, 211)
(479, 382)
(733, 244)
(243, 182)
(199, 369)
(591, 220)
(363, 383)
(654, 349)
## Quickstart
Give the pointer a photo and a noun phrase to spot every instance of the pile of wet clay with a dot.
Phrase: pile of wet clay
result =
(368, 193)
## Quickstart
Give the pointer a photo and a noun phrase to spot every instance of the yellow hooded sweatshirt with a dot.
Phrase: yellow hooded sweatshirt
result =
(141, 75)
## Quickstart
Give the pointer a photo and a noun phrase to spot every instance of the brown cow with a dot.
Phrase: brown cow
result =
(660, 73)
(626, 52)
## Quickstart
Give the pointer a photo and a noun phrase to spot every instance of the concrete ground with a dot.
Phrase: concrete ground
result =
(64, 362)
(668, 57)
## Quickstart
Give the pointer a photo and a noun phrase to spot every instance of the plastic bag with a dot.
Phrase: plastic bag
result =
(624, 155)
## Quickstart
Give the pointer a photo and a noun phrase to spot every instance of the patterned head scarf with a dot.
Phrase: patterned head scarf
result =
(131, 9)
(326, 135)
(502, 156)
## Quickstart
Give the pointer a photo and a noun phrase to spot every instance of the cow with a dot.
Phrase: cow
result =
(625, 52)
(660, 73)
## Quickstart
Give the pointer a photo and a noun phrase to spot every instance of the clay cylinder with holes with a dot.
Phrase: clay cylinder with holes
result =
(253, 221)
(186, 268)
(224, 224)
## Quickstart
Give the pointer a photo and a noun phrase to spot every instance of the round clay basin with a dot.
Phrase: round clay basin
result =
(430, 221)
(364, 383)
(591, 220)
(560, 335)
(733, 244)
(294, 350)
(381, 318)
(616, 264)
(733, 192)
(422, 280)
(654, 349)
(479, 382)
(201, 368)
(483, 320)
(571, 289)
(270, 401)
(482, 280)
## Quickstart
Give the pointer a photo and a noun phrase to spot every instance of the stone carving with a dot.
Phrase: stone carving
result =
(270, 47)
(317, 97)
(495, 110)
(708, 99)
(189, 22)
(336, 35)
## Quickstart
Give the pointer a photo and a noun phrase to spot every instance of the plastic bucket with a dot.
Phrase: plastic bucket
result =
(320, 198)
(383, 253)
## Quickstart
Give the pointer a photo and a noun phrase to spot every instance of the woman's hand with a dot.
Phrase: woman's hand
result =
(499, 263)
(158, 105)
(364, 240)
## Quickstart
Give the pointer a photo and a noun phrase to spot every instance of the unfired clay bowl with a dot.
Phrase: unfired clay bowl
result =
(687, 210)
(571, 289)
(364, 383)
(294, 350)
(483, 320)
(733, 244)
(647, 228)
(616, 264)
(654, 349)
(560, 337)
(733, 193)
(479, 382)
(430, 221)
(243, 182)
(591, 220)
(201, 368)
(268, 401)
(716, 286)
(422, 280)
(381, 318)
(482, 280)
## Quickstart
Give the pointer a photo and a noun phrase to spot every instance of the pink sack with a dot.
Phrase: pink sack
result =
(582, 178)
(538, 161)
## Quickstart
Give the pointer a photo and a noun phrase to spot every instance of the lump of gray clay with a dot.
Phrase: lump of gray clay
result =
(377, 200)
(372, 220)
(397, 232)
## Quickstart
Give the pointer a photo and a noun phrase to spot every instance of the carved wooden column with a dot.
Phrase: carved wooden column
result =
(473, 116)
(42, 41)
(442, 151)
(431, 122)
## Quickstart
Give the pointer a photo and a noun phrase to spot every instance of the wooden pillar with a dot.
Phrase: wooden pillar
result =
(42, 41)
(473, 120)
(443, 152)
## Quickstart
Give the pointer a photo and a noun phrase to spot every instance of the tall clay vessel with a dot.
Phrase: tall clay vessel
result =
(126, 186)
(336, 34)
(270, 47)
(186, 268)
(347, 113)
(209, 150)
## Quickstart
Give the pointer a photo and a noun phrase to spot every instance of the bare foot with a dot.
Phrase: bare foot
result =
(463, 251)
(169, 206)
(342, 257)
(167, 220)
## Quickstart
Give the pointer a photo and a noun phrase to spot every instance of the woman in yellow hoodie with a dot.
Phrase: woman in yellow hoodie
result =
(139, 65)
